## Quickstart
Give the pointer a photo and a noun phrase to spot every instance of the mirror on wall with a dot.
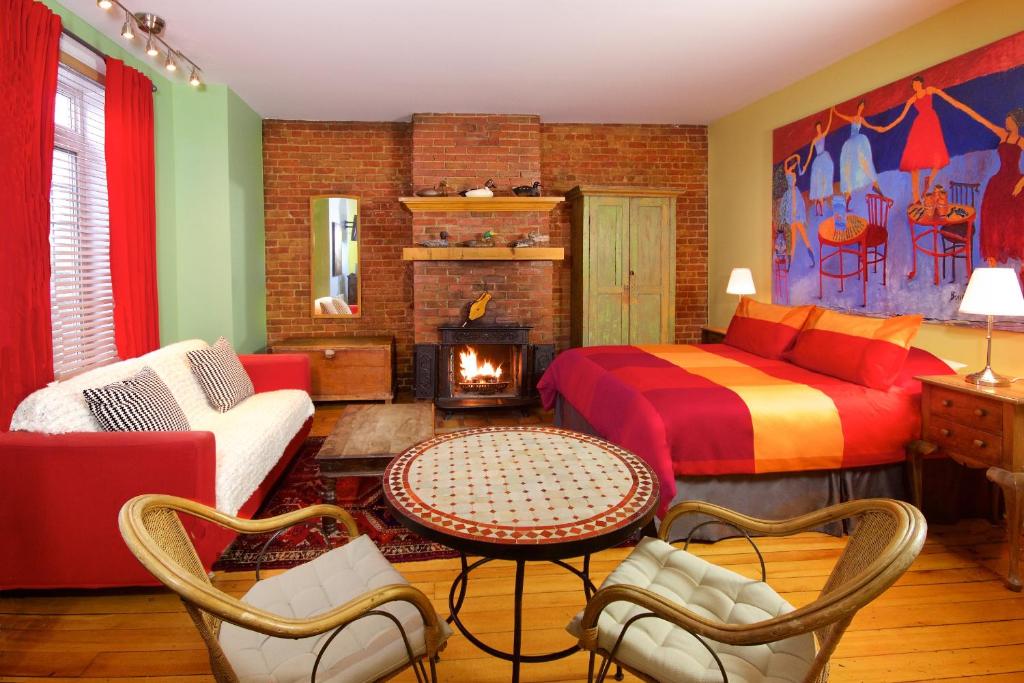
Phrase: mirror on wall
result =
(334, 258)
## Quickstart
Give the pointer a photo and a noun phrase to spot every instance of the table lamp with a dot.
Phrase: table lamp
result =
(741, 282)
(991, 292)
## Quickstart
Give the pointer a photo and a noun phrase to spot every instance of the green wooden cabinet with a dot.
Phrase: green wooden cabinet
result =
(623, 265)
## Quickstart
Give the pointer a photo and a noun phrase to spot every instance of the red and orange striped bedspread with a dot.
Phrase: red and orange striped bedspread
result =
(716, 410)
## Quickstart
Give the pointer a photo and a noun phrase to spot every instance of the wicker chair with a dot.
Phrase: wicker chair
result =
(284, 627)
(665, 614)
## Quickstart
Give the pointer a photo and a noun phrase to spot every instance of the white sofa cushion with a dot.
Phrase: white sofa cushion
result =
(250, 439)
(364, 651)
(668, 653)
(60, 407)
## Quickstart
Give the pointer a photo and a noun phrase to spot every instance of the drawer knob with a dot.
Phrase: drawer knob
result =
(978, 443)
(946, 403)
(980, 412)
(945, 432)
(328, 354)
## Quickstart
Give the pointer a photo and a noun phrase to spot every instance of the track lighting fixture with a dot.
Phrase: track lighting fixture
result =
(127, 32)
(153, 26)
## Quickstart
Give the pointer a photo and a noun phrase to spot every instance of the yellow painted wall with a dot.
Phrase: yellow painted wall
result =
(740, 160)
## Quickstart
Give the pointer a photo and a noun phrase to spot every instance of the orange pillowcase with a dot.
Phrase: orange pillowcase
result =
(765, 329)
(868, 351)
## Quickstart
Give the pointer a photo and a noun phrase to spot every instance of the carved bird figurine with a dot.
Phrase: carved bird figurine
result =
(443, 242)
(486, 191)
(479, 307)
(527, 190)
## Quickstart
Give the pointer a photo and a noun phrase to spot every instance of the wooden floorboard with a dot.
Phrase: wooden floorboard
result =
(947, 619)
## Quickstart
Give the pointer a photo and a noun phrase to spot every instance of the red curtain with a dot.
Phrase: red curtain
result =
(29, 49)
(131, 191)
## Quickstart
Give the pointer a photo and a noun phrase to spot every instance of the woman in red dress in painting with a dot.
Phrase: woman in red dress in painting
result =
(1002, 207)
(926, 145)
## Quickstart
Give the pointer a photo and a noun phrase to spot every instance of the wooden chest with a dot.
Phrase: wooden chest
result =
(347, 368)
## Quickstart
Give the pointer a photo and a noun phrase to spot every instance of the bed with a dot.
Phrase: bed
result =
(719, 424)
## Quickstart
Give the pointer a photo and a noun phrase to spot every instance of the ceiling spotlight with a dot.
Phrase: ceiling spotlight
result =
(169, 63)
(127, 32)
(150, 47)
(193, 80)
(104, 4)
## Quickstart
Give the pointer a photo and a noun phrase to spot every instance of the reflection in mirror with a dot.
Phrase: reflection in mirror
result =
(334, 270)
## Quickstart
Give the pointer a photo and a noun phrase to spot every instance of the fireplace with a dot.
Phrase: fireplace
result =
(481, 365)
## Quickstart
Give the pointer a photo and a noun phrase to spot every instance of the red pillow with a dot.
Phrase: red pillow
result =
(868, 351)
(765, 329)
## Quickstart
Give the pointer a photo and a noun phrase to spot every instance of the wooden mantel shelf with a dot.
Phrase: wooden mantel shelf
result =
(483, 254)
(420, 204)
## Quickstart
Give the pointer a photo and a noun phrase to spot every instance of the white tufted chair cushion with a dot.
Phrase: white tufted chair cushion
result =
(366, 650)
(668, 653)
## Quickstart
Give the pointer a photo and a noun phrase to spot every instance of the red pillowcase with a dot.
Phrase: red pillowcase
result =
(765, 329)
(868, 351)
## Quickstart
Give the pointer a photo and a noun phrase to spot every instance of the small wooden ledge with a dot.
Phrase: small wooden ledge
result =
(448, 204)
(483, 254)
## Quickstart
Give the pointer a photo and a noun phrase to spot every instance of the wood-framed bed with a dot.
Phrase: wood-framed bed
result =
(722, 425)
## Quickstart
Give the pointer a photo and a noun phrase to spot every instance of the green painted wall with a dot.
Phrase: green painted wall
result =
(740, 155)
(209, 203)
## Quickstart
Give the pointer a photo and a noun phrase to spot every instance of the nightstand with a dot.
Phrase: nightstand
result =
(712, 335)
(978, 427)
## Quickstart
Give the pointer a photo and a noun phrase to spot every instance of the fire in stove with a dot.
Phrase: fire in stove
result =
(477, 377)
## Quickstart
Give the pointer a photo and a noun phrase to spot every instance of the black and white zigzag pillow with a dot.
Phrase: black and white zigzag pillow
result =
(225, 382)
(142, 403)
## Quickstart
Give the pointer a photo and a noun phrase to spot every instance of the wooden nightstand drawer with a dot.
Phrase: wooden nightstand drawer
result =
(958, 406)
(962, 442)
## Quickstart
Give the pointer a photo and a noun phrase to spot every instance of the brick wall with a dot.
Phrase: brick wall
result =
(382, 161)
(368, 160)
(673, 157)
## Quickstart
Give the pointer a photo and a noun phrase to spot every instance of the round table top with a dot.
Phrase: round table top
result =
(955, 213)
(521, 492)
(856, 226)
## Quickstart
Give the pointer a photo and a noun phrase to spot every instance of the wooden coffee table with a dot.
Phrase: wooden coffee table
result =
(366, 438)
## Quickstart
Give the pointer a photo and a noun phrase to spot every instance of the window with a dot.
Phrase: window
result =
(81, 301)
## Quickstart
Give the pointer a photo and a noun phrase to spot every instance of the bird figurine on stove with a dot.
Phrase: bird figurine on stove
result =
(478, 308)
(527, 190)
(486, 191)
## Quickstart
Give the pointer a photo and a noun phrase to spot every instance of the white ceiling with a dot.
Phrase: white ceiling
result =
(609, 61)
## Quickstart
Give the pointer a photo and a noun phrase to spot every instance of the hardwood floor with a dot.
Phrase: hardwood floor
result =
(948, 619)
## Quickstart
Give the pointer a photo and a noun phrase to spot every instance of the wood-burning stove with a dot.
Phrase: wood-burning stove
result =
(481, 365)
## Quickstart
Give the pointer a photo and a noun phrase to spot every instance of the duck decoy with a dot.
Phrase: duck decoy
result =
(527, 190)
(486, 191)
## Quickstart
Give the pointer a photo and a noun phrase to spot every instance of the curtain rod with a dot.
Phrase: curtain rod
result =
(96, 51)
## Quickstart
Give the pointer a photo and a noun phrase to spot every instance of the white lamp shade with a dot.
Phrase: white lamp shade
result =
(741, 282)
(993, 291)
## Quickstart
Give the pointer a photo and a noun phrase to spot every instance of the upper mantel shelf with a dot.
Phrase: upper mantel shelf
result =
(420, 204)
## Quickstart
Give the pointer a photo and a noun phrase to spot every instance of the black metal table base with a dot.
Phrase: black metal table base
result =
(516, 656)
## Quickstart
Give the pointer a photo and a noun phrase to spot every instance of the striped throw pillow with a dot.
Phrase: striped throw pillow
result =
(225, 382)
(142, 403)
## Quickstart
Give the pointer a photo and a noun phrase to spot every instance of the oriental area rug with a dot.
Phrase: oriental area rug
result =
(300, 487)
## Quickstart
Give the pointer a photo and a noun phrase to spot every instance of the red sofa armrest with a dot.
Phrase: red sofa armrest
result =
(272, 371)
(60, 495)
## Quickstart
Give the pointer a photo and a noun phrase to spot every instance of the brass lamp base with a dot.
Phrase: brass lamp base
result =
(988, 378)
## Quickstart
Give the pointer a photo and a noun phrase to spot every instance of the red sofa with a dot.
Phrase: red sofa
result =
(61, 493)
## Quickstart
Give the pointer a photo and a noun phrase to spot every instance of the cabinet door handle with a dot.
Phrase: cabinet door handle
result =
(945, 432)
(329, 354)
(978, 443)
(946, 403)
(980, 412)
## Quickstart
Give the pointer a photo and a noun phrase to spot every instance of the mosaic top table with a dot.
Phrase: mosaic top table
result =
(522, 494)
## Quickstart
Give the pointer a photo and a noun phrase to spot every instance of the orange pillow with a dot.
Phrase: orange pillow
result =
(868, 351)
(765, 329)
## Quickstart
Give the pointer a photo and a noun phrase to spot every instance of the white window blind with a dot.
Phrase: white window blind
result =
(81, 301)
